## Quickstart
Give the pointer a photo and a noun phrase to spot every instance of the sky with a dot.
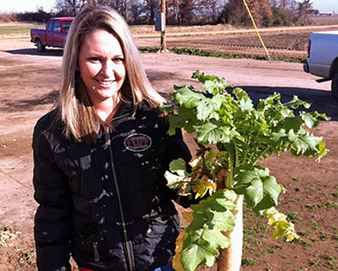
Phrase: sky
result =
(47, 5)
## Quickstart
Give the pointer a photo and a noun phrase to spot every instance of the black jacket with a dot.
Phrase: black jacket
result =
(107, 204)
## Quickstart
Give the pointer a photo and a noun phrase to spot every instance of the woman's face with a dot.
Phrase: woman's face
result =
(101, 65)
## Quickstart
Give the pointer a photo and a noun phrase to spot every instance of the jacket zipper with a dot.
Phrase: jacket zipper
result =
(96, 252)
(124, 227)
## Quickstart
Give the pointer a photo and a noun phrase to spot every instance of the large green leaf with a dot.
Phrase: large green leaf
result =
(261, 190)
(204, 237)
(214, 212)
(197, 252)
(295, 103)
(310, 120)
(215, 238)
(304, 144)
(186, 97)
(293, 123)
(211, 132)
(175, 122)
(178, 166)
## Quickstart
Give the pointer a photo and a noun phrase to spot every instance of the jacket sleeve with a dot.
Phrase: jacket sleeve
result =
(52, 226)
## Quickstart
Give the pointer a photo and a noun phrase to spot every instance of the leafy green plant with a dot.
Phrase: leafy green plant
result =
(250, 262)
(219, 54)
(323, 236)
(293, 216)
(233, 137)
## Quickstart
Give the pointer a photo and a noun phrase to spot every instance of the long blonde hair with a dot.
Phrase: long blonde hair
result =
(75, 108)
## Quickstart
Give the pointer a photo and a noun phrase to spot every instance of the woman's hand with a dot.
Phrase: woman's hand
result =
(221, 178)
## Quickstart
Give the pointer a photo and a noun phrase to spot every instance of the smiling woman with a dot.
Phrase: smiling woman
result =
(100, 158)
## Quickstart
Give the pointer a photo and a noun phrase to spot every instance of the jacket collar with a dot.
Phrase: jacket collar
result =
(125, 108)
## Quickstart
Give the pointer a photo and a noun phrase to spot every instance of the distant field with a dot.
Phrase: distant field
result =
(24, 28)
(326, 20)
(283, 43)
(17, 28)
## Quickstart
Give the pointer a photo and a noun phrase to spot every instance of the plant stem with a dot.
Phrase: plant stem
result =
(236, 153)
(261, 154)
(229, 180)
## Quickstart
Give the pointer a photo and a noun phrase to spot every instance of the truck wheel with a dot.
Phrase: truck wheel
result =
(41, 47)
(334, 86)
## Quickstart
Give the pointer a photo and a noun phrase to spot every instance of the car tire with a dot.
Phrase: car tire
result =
(334, 87)
(40, 46)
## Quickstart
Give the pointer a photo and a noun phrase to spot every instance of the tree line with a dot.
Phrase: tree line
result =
(190, 12)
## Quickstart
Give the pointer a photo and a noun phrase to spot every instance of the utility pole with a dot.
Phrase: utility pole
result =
(163, 21)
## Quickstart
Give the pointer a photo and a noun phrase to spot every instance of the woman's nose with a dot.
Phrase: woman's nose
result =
(107, 68)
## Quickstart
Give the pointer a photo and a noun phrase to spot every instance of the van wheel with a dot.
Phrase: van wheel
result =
(41, 47)
(334, 86)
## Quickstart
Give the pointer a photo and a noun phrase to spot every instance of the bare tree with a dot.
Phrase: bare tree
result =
(150, 7)
(69, 7)
(305, 9)
(120, 5)
(208, 11)
(288, 12)
(135, 11)
(173, 11)
(187, 11)
(180, 12)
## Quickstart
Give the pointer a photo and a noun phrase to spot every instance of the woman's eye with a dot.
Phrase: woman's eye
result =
(118, 60)
(94, 59)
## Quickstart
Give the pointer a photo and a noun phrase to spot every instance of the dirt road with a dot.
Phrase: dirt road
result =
(28, 88)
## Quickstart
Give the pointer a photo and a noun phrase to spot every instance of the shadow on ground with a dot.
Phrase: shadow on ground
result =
(28, 104)
(35, 52)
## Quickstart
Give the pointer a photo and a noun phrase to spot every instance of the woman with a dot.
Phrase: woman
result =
(100, 158)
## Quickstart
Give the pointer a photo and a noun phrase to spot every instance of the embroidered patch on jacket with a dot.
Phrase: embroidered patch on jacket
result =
(137, 142)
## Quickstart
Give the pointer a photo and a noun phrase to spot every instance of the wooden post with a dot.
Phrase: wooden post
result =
(163, 21)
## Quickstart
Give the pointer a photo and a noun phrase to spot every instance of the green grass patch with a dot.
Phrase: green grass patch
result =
(297, 200)
(304, 233)
(251, 240)
(315, 263)
(314, 225)
(247, 247)
(199, 52)
(293, 217)
(307, 244)
(16, 29)
(329, 205)
(249, 262)
(329, 257)
(271, 251)
(323, 236)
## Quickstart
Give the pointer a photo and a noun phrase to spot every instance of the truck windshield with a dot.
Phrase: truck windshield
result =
(66, 25)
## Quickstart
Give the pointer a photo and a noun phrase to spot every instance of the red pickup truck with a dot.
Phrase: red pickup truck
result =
(54, 35)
